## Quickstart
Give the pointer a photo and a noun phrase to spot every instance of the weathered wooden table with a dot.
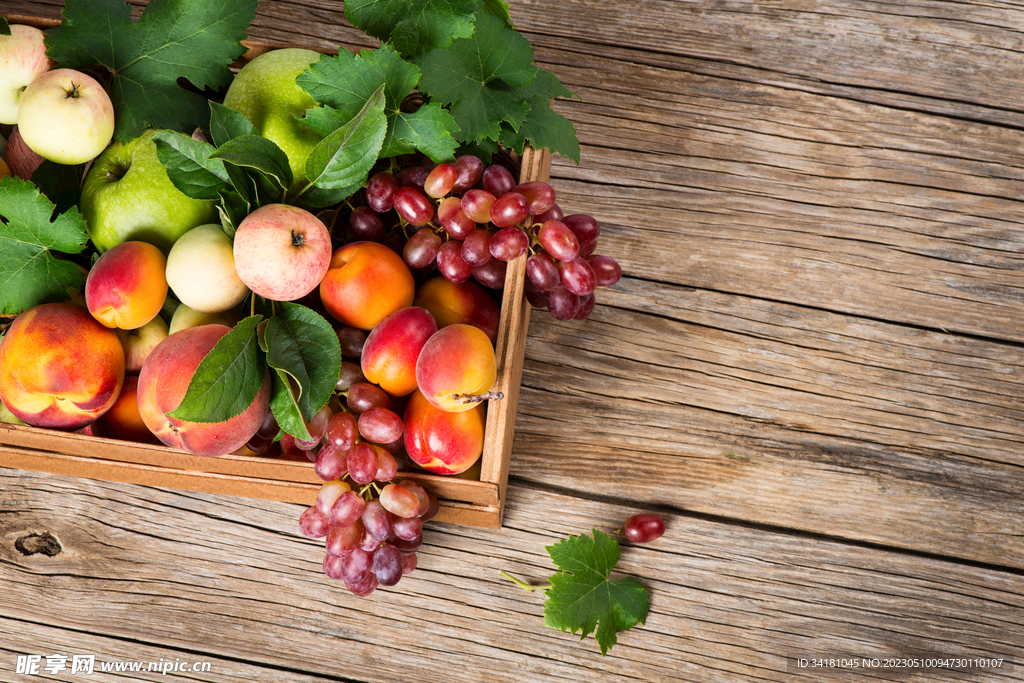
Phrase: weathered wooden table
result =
(813, 367)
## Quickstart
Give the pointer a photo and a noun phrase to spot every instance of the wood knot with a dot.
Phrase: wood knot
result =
(34, 544)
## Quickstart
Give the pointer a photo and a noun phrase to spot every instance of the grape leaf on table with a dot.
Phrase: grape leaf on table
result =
(481, 78)
(343, 84)
(29, 234)
(414, 27)
(194, 39)
(227, 380)
(582, 598)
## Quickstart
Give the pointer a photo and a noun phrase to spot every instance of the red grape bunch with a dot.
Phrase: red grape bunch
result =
(371, 524)
(470, 220)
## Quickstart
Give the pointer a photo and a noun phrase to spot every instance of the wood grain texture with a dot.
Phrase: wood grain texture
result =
(228, 578)
(39, 638)
(762, 411)
(813, 368)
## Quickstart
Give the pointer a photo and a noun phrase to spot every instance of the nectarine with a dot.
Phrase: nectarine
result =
(389, 354)
(440, 441)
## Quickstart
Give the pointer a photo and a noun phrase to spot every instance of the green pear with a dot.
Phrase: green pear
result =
(265, 92)
(128, 196)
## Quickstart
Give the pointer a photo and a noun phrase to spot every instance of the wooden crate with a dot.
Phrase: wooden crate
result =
(472, 502)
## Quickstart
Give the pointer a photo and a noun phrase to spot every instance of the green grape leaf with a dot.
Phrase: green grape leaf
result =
(544, 127)
(227, 124)
(261, 155)
(29, 236)
(430, 129)
(304, 350)
(190, 166)
(227, 380)
(480, 78)
(344, 84)
(582, 598)
(5, 28)
(192, 39)
(499, 8)
(413, 26)
(343, 159)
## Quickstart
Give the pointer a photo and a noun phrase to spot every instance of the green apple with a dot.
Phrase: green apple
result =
(128, 196)
(265, 92)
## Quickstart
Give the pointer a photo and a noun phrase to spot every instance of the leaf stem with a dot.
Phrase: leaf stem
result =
(528, 587)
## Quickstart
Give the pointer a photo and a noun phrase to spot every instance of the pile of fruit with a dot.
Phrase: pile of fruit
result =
(301, 266)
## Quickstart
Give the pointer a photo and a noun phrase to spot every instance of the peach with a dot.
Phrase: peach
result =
(456, 367)
(163, 382)
(127, 285)
(365, 283)
(59, 367)
(140, 342)
(124, 421)
(440, 441)
(389, 354)
(462, 302)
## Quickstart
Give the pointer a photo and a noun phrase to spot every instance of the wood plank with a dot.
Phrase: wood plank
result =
(964, 55)
(789, 196)
(951, 58)
(39, 638)
(729, 602)
(781, 415)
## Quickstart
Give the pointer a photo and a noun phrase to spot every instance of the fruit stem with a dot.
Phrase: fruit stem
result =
(477, 398)
(529, 588)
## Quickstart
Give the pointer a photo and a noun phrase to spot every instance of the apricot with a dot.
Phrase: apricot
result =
(390, 351)
(462, 302)
(127, 285)
(124, 421)
(163, 381)
(456, 367)
(59, 367)
(440, 441)
(365, 283)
